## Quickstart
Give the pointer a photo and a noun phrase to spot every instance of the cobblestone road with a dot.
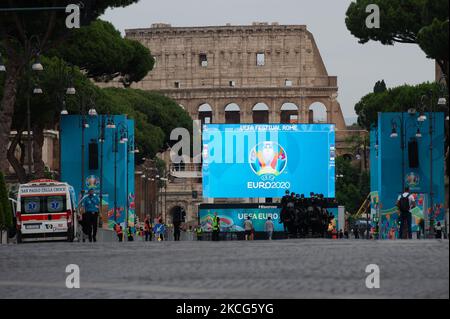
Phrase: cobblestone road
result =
(237, 269)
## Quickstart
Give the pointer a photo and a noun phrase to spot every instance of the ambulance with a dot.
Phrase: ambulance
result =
(46, 211)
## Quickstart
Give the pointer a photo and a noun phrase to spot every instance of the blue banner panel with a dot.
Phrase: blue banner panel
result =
(256, 161)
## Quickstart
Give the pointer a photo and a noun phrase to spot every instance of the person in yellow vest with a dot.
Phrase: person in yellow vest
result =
(199, 232)
(215, 227)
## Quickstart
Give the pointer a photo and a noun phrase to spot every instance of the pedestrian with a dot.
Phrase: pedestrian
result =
(438, 230)
(215, 227)
(159, 230)
(130, 234)
(84, 227)
(356, 233)
(269, 227)
(199, 232)
(421, 228)
(248, 227)
(346, 234)
(341, 234)
(119, 232)
(405, 202)
(147, 229)
(177, 219)
(283, 215)
(334, 233)
(91, 207)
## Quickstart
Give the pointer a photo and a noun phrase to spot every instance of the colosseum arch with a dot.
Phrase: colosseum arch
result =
(289, 113)
(317, 113)
(232, 113)
(205, 113)
(260, 113)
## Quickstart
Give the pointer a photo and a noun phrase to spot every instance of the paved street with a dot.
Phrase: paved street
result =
(259, 269)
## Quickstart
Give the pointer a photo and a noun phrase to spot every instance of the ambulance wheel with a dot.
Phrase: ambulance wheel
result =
(19, 237)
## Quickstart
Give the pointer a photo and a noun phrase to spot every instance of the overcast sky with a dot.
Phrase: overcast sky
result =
(357, 66)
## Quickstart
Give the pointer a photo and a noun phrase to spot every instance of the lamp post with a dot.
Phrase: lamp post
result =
(122, 129)
(69, 90)
(36, 66)
(152, 187)
(83, 125)
(162, 183)
(115, 145)
(105, 123)
(144, 185)
(131, 149)
(101, 141)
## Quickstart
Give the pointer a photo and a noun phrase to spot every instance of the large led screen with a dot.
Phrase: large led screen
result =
(264, 160)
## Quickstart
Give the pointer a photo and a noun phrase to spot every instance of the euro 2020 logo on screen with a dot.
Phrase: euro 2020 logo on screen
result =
(268, 160)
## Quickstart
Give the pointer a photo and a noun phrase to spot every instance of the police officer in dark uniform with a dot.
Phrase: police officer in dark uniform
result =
(303, 226)
(315, 214)
(290, 216)
(284, 209)
(323, 215)
(296, 217)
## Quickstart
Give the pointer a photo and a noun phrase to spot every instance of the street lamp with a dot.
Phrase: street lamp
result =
(37, 90)
(121, 129)
(418, 133)
(131, 149)
(64, 77)
(36, 66)
(84, 125)
(101, 141)
(71, 90)
(394, 133)
(64, 108)
(110, 123)
(2, 65)
(92, 111)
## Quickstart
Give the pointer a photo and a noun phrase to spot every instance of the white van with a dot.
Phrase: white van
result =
(46, 210)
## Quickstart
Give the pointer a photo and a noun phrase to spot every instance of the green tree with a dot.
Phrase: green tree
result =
(16, 45)
(380, 86)
(398, 99)
(433, 40)
(352, 185)
(100, 51)
(423, 22)
(160, 110)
